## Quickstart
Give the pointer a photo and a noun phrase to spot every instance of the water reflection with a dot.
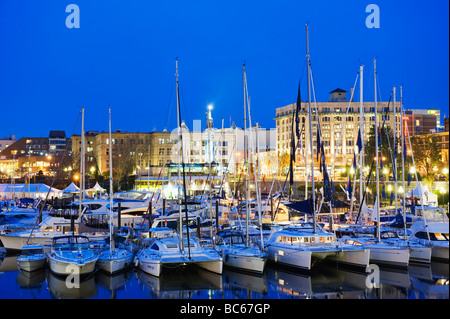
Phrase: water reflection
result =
(419, 281)
(182, 284)
(59, 288)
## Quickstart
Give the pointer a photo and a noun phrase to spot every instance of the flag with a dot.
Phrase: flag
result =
(297, 119)
(379, 137)
(354, 161)
(409, 179)
(392, 198)
(348, 188)
(318, 143)
(383, 191)
(328, 191)
(413, 205)
(359, 141)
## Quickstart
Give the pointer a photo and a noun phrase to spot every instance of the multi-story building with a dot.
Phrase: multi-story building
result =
(422, 121)
(130, 150)
(32, 155)
(6, 141)
(339, 121)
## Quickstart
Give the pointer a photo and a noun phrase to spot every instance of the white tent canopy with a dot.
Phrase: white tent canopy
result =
(25, 190)
(429, 199)
(71, 188)
(96, 188)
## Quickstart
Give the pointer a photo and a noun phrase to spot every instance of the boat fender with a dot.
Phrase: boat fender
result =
(136, 262)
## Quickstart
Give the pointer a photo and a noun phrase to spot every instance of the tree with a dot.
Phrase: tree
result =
(427, 155)
(386, 151)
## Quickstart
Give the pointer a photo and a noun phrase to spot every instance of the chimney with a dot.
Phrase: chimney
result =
(351, 94)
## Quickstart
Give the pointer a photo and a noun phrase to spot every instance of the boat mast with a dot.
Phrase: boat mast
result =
(179, 157)
(394, 90)
(310, 130)
(377, 201)
(403, 160)
(82, 162)
(180, 137)
(111, 224)
(361, 131)
(246, 168)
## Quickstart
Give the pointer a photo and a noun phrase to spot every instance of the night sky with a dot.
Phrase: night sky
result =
(123, 55)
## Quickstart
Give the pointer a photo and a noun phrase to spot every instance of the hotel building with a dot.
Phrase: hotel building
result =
(339, 123)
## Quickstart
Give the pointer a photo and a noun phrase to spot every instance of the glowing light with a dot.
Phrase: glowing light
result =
(210, 107)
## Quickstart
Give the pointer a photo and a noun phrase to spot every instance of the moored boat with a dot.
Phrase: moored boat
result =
(32, 258)
(71, 254)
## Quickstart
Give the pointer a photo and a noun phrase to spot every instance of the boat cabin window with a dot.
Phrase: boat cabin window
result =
(353, 242)
(231, 240)
(387, 235)
(94, 206)
(433, 236)
(30, 252)
(47, 228)
(329, 239)
(289, 239)
(154, 247)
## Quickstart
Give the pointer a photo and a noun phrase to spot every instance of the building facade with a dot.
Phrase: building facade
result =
(339, 121)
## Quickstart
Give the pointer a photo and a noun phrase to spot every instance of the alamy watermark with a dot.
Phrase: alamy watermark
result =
(73, 19)
(373, 19)
(373, 278)
(73, 279)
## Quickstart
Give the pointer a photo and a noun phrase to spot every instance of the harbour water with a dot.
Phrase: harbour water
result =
(324, 282)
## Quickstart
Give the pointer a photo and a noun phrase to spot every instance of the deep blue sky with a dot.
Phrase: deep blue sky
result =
(124, 53)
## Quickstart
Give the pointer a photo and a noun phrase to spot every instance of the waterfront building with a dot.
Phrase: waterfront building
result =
(29, 156)
(338, 115)
(6, 141)
(422, 121)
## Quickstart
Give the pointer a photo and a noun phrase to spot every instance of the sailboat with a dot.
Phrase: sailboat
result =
(299, 245)
(113, 259)
(236, 250)
(380, 252)
(417, 251)
(168, 248)
(73, 253)
(57, 223)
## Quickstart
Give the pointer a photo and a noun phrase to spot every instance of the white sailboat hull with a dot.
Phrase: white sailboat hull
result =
(154, 265)
(116, 262)
(357, 258)
(389, 256)
(420, 254)
(67, 267)
(248, 263)
(290, 257)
